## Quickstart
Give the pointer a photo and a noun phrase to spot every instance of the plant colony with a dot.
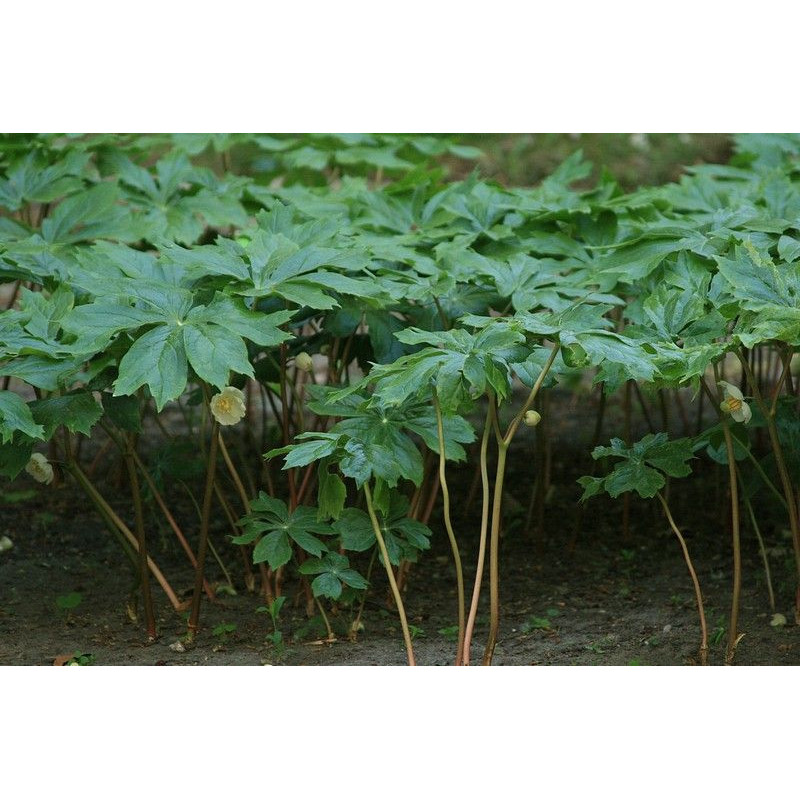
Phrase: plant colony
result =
(366, 323)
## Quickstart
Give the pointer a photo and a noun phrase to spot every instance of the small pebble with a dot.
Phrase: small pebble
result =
(177, 647)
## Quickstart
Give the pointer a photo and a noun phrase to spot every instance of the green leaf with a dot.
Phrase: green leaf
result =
(355, 530)
(591, 486)
(331, 570)
(299, 455)
(123, 411)
(77, 411)
(670, 457)
(331, 494)
(214, 352)
(271, 506)
(274, 548)
(327, 585)
(15, 415)
(629, 477)
(789, 248)
(157, 359)
(307, 541)
(231, 313)
(96, 324)
(14, 455)
(353, 579)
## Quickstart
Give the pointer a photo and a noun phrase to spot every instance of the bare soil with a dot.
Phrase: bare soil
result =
(580, 592)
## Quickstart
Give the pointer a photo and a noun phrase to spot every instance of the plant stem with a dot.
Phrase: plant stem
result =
(170, 520)
(763, 550)
(194, 613)
(698, 594)
(494, 554)
(356, 623)
(388, 566)
(328, 629)
(116, 523)
(476, 591)
(733, 638)
(503, 443)
(233, 473)
(144, 576)
(449, 526)
(780, 463)
(285, 412)
(113, 439)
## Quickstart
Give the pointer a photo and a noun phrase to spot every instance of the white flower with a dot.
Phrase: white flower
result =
(733, 403)
(39, 469)
(228, 406)
(303, 361)
(532, 418)
(5, 544)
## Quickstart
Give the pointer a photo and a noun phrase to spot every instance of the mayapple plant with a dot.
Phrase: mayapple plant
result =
(340, 304)
(641, 469)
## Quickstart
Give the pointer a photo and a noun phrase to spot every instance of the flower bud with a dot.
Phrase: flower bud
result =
(532, 418)
(228, 406)
(40, 469)
(303, 362)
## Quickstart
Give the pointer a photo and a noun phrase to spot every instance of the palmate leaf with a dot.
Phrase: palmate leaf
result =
(214, 352)
(405, 538)
(634, 261)
(642, 467)
(377, 445)
(28, 180)
(274, 530)
(332, 570)
(757, 282)
(158, 360)
(85, 216)
(233, 314)
(273, 265)
(767, 295)
(209, 338)
(461, 365)
(369, 442)
(599, 347)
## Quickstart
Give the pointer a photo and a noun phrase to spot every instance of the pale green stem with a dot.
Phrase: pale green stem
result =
(449, 526)
(698, 594)
(733, 637)
(494, 539)
(476, 591)
(392, 582)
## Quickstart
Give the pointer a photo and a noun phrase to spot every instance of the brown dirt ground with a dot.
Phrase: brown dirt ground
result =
(611, 601)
